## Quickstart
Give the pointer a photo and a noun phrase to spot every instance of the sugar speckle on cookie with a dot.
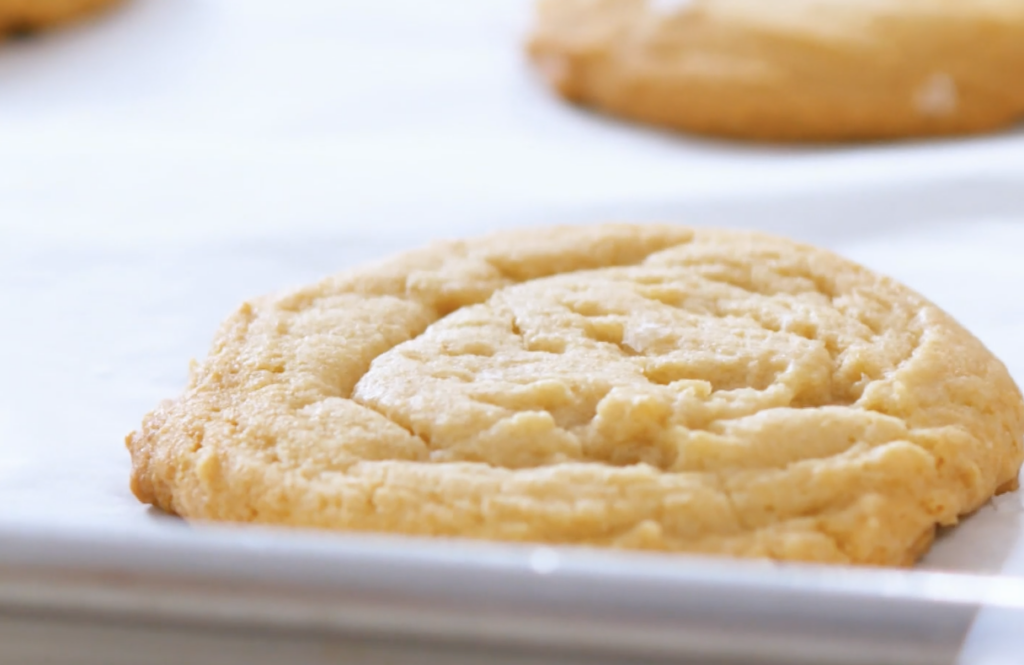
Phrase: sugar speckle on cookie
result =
(937, 96)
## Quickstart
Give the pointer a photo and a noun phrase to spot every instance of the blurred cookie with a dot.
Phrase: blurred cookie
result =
(790, 70)
(648, 387)
(20, 16)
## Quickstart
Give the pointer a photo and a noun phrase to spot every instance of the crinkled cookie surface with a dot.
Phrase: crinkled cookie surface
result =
(633, 386)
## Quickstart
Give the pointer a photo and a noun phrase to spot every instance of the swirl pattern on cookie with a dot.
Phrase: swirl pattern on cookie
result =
(633, 386)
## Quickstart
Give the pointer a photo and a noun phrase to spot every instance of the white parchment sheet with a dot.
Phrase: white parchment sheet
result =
(161, 164)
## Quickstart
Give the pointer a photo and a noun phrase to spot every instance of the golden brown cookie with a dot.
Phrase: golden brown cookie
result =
(631, 386)
(790, 70)
(30, 15)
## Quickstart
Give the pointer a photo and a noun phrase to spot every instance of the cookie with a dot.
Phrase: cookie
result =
(633, 386)
(790, 70)
(20, 16)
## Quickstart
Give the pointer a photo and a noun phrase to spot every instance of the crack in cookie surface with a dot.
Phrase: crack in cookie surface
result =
(633, 386)
(587, 367)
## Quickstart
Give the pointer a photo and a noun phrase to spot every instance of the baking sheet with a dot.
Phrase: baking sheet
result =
(161, 164)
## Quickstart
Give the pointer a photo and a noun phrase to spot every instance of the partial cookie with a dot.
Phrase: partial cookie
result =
(30, 15)
(648, 387)
(790, 70)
